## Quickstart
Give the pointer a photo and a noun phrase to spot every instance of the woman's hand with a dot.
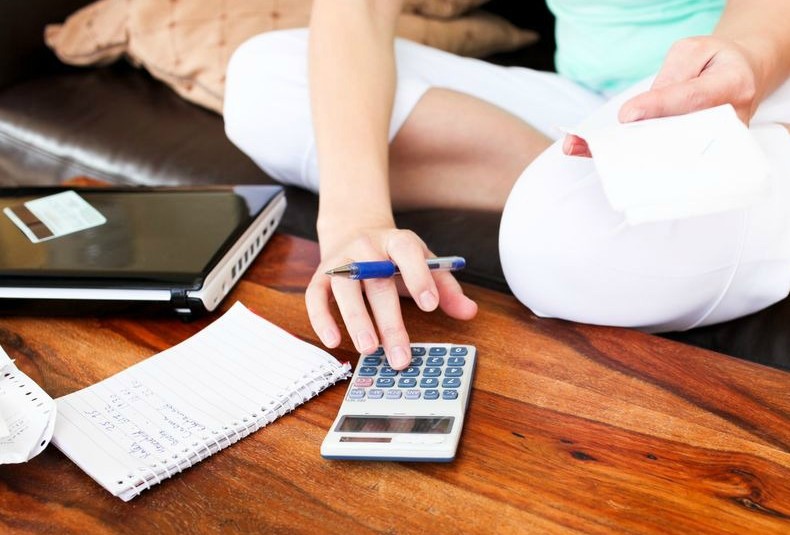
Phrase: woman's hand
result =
(429, 289)
(698, 73)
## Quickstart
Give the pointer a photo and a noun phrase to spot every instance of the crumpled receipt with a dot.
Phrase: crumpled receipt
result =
(27, 414)
(678, 167)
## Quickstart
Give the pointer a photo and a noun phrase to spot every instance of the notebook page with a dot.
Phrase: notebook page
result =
(172, 410)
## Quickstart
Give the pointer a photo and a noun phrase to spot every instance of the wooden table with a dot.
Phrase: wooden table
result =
(571, 428)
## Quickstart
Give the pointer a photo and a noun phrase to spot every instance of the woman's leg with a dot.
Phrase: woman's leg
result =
(567, 254)
(460, 128)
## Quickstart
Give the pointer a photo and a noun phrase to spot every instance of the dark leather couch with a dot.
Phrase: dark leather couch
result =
(117, 123)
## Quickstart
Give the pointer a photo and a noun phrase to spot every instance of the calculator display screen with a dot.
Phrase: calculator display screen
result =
(441, 425)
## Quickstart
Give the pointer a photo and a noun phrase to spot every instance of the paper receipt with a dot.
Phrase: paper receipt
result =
(677, 167)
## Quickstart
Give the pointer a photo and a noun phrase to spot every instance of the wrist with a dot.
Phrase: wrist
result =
(331, 225)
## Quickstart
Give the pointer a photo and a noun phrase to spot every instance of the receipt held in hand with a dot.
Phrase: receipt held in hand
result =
(678, 167)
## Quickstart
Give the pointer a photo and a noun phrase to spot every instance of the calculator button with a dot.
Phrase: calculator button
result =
(375, 393)
(386, 371)
(456, 361)
(417, 351)
(458, 351)
(435, 361)
(412, 394)
(416, 361)
(364, 381)
(368, 371)
(356, 393)
(431, 394)
(378, 353)
(407, 382)
(429, 382)
(451, 382)
(438, 351)
(411, 371)
(385, 382)
(394, 394)
(450, 394)
(432, 372)
(454, 372)
(371, 361)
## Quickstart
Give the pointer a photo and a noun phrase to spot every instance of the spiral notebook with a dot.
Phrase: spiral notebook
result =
(170, 411)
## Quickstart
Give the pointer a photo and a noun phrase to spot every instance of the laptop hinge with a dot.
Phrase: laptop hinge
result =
(178, 297)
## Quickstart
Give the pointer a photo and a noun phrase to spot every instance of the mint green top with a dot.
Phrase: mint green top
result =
(608, 45)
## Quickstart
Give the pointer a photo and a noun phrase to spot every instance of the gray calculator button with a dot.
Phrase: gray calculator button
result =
(456, 361)
(431, 394)
(394, 394)
(417, 351)
(371, 361)
(458, 351)
(416, 361)
(411, 371)
(454, 372)
(432, 372)
(356, 393)
(429, 382)
(379, 352)
(435, 361)
(368, 371)
(375, 393)
(450, 394)
(451, 382)
(407, 382)
(438, 351)
(412, 394)
(385, 382)
(386, 371)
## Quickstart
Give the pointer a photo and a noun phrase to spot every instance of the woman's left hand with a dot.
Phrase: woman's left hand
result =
(698, 73)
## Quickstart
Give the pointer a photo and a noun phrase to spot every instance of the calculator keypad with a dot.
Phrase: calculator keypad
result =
(434, 373)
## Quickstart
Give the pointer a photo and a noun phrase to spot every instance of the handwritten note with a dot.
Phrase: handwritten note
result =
(174, 409)
(27, 414)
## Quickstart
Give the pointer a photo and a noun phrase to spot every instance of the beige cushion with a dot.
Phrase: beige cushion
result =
(187, 43)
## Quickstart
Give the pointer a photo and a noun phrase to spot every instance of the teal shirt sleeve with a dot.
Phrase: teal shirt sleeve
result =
(608, 45)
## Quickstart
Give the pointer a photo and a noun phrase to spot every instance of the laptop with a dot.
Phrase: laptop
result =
(184, 248)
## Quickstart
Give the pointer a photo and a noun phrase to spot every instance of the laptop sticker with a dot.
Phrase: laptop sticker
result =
(54, 216)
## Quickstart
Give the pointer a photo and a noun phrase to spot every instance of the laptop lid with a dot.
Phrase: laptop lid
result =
(186, 246)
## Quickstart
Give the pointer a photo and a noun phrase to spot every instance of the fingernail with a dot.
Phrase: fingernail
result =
(399, 359)
(567, 145)
(330, 338)
(365, 341)
(428, 300)
(577, 149)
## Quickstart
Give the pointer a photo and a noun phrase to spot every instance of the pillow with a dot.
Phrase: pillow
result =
(187, 43)
(441, 8)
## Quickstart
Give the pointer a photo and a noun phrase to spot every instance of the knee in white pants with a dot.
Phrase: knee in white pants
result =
(266, 109)
(566, 254)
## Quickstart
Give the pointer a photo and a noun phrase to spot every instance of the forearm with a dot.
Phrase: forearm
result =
(352, 85)
(762, 27)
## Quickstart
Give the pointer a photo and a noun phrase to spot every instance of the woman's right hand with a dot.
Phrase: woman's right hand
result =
(429, 289)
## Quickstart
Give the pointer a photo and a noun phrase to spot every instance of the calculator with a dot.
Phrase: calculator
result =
(415, 414)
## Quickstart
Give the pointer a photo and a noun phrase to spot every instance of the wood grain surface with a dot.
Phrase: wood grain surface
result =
(571, 429)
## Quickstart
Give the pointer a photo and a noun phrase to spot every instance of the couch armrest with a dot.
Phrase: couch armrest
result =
(22, 49)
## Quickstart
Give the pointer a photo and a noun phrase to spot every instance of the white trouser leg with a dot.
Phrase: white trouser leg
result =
(567, 254)
(267, 107)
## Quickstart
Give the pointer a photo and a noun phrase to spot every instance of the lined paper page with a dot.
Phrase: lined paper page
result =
(174, 409)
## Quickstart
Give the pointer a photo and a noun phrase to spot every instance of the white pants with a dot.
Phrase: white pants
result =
(565, 253)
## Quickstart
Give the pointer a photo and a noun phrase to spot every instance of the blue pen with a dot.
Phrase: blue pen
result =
(386, 268)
